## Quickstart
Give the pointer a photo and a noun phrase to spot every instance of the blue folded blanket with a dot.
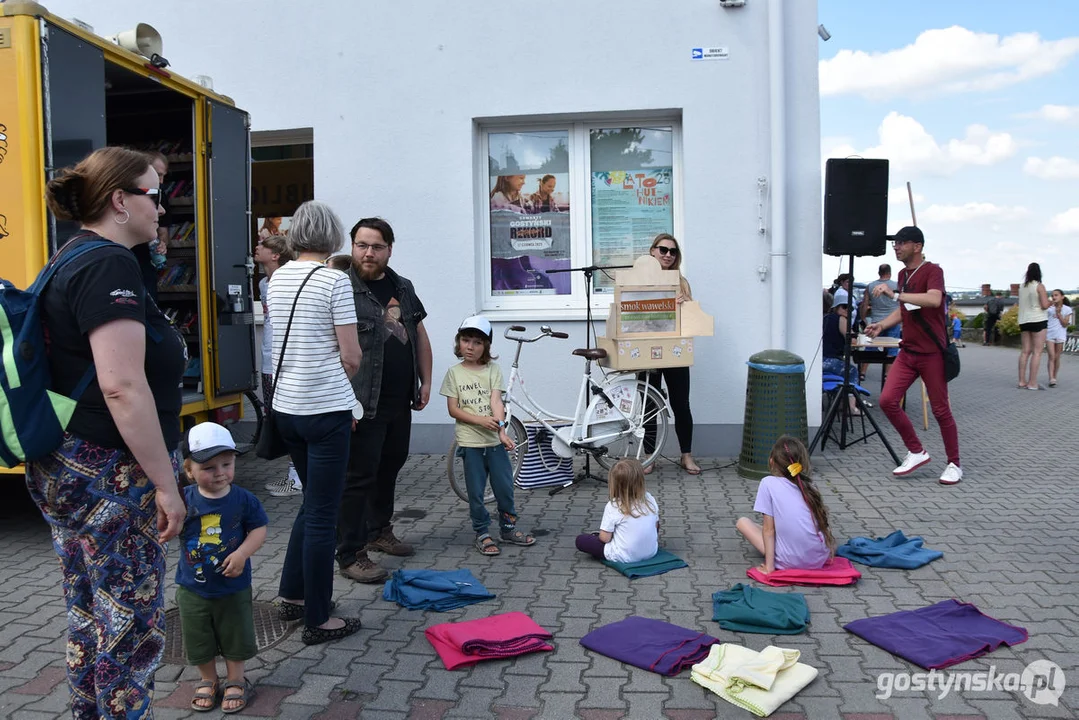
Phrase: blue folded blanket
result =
(894, 551)
(438, 590)
(752, 610)
(658, 564)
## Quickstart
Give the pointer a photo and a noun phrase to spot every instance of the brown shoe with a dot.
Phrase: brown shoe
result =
(365, 570)
(388, 543)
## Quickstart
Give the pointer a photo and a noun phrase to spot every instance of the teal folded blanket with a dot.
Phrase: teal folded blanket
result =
(658, 564)
(752, 610)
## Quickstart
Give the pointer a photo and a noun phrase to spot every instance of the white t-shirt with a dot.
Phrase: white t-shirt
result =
(312, 379)
(634, 538)
(1057, 331)
(267, 328)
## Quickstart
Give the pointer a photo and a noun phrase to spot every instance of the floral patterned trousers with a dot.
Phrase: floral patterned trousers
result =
(100, 506)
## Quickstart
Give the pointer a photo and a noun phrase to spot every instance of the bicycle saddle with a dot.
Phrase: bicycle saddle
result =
(591, 353)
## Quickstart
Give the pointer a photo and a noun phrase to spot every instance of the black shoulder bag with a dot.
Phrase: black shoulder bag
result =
(271, 445)
(950, 351)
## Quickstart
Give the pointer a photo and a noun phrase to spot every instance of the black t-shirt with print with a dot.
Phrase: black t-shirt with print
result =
(101, 286)
(398, 374)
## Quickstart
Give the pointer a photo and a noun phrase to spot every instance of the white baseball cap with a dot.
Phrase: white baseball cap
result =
(207, 440)
(478, 322)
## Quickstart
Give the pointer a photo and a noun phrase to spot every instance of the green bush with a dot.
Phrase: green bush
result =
(978, 321)
(1009, 322)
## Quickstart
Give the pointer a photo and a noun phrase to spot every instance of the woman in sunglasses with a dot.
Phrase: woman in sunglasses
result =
(110, 491)
(665, 249)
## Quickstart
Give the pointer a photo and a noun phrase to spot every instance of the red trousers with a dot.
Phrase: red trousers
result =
(907, 368)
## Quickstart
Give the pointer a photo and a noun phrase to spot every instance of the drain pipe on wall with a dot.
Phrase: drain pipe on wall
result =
(777, 102)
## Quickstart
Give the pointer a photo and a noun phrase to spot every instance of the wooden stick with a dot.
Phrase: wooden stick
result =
(910, 197)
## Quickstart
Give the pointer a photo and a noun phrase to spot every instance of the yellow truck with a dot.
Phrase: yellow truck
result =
(65, 92)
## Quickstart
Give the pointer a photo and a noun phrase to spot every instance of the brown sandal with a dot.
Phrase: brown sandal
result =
(213, 696)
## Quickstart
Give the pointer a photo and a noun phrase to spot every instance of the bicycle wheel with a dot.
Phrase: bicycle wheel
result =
(455, 466)
(246, 430)
(648, 409)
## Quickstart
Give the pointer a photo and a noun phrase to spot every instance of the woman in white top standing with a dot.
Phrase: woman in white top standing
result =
(1033, 321)
(312, 404)
(1060, 314)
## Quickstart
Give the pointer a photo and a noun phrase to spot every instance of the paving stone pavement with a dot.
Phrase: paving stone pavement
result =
(1009, 533)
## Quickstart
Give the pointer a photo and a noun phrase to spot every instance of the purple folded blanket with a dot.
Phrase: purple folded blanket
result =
(650, 644)
(938, 636)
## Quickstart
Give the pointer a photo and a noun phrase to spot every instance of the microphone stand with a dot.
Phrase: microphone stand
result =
(588, 271)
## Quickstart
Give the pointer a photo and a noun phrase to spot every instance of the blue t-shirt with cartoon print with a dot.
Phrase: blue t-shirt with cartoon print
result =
(213, 530)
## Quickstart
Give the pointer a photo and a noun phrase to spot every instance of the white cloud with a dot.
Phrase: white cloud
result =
(1055, 113)
(1055, 168)
(898, 196)
(972, 211)
(911, 149)
(1065, 223)
(945, 61)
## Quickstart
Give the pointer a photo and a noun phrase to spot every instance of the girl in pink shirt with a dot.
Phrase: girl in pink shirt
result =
(795, 532)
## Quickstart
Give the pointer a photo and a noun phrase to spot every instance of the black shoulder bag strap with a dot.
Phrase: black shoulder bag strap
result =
(928, 330)
(948, 352)
(288, 327)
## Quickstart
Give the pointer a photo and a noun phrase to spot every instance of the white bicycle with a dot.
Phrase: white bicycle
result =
(613, 419)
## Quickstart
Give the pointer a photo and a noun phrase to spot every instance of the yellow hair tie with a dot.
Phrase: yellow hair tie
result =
(795, 469)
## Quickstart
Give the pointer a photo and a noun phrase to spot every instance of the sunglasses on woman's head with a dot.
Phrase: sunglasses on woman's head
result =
(664, 250)
(152, 193)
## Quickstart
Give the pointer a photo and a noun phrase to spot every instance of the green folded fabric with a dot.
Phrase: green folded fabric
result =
(752, 610)
(658, 564)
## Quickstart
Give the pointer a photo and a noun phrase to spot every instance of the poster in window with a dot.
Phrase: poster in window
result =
(629, 208)
(529, 212)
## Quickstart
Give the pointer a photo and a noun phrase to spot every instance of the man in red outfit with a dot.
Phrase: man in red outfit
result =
(920, 290)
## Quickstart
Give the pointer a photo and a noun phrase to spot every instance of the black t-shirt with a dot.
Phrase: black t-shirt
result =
(101, 286)
(398, 373)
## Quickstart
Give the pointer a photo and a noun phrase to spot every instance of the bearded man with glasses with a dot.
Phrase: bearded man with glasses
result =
(394, 379)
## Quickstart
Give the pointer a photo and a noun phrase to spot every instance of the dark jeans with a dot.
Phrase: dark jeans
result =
(318, 445)
(378, 450)
(990, 327)
(481, 462)
(677, 379)
(592, 545)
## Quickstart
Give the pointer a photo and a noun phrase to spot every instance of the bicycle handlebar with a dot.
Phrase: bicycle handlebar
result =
(544, 332)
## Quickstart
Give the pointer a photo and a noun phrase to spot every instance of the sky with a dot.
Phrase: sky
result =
(976, 104)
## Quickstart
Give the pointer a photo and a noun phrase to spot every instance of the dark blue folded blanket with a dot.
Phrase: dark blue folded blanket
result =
(938, 636)
(439, 590)
(894, 551)
(749, 609)
(650, 644)
(658, 564)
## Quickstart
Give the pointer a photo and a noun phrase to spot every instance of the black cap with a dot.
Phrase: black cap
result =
(909, 234)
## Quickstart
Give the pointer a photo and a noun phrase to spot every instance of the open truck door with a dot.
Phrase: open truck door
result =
(229, 153)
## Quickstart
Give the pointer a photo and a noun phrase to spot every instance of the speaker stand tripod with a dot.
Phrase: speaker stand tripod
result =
(841, 404)
(586, 472)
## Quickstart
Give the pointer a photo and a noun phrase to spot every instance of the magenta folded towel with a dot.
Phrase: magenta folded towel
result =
(938, 636)
(498, 636)
(837, 571)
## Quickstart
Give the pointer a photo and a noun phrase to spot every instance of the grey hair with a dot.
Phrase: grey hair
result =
(315, 228)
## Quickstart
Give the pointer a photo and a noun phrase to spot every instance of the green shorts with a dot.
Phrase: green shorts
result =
(217, 626)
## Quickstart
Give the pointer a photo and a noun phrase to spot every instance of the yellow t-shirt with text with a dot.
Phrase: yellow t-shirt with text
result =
(473, 389)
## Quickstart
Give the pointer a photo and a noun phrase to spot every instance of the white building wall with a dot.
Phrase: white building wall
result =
(393, 90)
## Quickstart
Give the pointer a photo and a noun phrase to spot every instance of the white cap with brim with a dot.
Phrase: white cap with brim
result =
(840, 298)
(207, 440)
(478, 322)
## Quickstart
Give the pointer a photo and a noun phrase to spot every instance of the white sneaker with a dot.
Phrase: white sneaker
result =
(293, 477)
(951, 475)
(911, 462)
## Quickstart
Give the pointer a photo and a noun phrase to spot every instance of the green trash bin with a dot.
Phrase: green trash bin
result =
(775, 405)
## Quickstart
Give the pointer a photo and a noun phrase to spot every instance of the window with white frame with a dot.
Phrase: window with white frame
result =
(571, 195)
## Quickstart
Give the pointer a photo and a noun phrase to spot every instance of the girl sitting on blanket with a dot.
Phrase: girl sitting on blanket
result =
(629, 531)
(796, 533)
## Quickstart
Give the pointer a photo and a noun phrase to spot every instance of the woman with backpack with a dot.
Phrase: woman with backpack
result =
(110, 491)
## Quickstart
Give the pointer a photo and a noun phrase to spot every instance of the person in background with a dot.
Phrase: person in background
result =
(272, 252)
(879, 306)
(833, 343)
(994, 306)
(394, 381)
(111, 491)
(1056, 333)
(666, 250)
(1033, 322)
(313, 402)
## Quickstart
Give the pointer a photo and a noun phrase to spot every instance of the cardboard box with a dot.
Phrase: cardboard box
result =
(647, 328)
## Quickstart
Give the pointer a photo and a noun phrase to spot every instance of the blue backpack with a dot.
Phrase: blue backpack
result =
(32, 416)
